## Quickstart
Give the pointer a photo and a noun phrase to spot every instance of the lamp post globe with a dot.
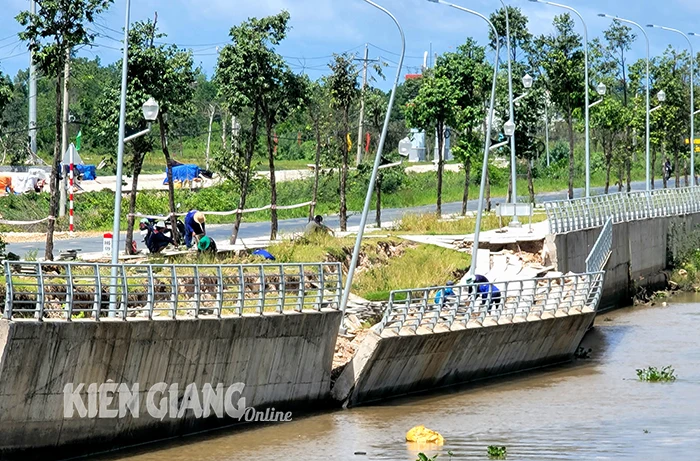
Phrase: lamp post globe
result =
(150, 110)
(661, 96)
(527, 81)
(509, 128)
(601, 89)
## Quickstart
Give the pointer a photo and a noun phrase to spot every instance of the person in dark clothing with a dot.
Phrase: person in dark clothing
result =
(207, 245)
(488, 291)
(155, 239)
(194, 227)
(441, 295)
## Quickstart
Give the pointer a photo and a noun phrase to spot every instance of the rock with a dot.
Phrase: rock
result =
(353, 323)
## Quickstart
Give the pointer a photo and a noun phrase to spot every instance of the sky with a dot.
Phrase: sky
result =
(323, 27)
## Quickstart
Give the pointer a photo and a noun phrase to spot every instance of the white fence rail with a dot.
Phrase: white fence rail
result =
(69, 291)
(601, 249)
(584, 213)
(457, 307)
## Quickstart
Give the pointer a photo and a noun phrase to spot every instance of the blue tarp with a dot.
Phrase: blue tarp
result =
(89, 172)
(183, 173)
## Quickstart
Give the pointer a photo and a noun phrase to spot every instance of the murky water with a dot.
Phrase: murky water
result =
(595, 409)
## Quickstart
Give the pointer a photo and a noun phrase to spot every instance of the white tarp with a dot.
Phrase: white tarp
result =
(26, 182)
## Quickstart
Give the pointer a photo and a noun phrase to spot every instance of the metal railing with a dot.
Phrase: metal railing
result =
(584, 213)
(68, 291)
(514, 301)
(601, 249)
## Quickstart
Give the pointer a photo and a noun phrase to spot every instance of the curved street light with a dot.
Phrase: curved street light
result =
(646, 37)
(587, 107)
(375, 168)
(487, 144)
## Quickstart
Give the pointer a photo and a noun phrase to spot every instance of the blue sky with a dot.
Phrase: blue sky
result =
(322, 27)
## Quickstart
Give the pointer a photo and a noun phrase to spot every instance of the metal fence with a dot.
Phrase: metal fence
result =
(458, 307)
(65, 290)
(584, 213)
(601, 249)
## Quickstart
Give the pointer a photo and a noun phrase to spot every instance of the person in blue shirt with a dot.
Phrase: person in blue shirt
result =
(441, 295)
(194, 226)
(487, 290)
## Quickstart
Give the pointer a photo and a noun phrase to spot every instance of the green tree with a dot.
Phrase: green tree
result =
(520, 36)
(58, 26)
(244, 72)
(434, 109)
(562, 59)
(344, 91)
(620, 39)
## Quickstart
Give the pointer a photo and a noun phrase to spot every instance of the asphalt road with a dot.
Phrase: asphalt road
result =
(222, 232)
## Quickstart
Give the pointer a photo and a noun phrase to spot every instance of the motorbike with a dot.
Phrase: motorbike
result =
(165, 227)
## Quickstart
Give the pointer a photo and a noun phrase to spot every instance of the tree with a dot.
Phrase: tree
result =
(163, 72)
(434, 109)
(317, 113)
(244, 72)
(520, 37)
(607, 121)
(58, 26)
(344, 91)
(620, 39)
(562, 58)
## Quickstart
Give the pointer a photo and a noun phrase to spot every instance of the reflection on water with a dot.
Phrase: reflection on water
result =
(595, 409)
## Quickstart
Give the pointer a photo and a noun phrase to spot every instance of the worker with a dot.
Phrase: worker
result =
(156, 240)
(194, 227)
(488, 291)
(316, 226)
(441, 295)
(206, 245)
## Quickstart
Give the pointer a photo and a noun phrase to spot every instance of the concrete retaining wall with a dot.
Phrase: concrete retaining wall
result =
(639, 256)
(390, 367)
(283, 360)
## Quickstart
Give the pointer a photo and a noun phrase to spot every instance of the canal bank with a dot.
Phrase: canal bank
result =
(592, 409)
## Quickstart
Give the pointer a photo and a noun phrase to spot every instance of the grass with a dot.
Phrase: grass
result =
(430, 224)
(654, 375)
(385, 264)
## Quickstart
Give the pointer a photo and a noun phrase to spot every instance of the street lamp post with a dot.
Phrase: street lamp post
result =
(375, 168)
(601, 89)
(513, 165)
(585, 53)
(661, 97)
(646, 37)
(487, 144)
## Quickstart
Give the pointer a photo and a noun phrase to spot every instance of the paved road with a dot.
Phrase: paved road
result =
(222, 232)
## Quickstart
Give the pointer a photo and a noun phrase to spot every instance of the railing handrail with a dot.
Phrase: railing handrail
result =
(601, 249)
(68, 289)
(588, 212)
(514, 298)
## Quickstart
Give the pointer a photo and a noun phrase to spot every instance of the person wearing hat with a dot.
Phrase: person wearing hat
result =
(206, 245)
(441, 295)
(194, 227)
(156, 240)
(316, 226)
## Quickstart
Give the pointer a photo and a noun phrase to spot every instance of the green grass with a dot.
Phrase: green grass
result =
(429, 224)
(385, 264)
(496, 452)
(654, 375)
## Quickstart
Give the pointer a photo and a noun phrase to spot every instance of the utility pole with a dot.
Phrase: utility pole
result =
(32, 93)
(64, 141)
(360, 129)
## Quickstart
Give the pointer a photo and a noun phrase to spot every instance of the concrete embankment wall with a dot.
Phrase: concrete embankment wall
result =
(640, 255)
(389, 367)
(283, 360)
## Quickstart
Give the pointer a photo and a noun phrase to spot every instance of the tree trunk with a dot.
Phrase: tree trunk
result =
(467, 174)
(608, 165)
(530, 182)
(510, 189)
(440, 166)
(344, 173)
(378, 189)
(273, 181)
(621, 176)
(212, 112)
(685, 172)
(317, 164)
(169, 165)
(653, 167)
(677, 168)
(130, 220)
(55, 182)
(488, 194)
(628, 170)
(246, 176)
(570, 123)
(663, 156)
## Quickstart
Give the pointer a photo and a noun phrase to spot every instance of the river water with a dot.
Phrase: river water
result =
(593, 409)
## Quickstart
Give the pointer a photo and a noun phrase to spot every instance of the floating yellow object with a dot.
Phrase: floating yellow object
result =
(421, 434)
